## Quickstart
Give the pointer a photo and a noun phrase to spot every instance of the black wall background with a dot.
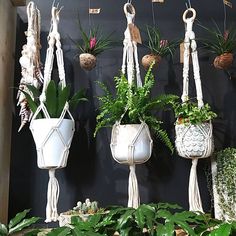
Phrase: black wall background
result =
(91, 171)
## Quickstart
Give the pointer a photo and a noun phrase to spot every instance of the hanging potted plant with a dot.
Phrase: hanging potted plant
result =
(57, 99)
(224, 184)
(158, 47)
(93, 44)
(131, 106)
(221, 44)
(193, 129)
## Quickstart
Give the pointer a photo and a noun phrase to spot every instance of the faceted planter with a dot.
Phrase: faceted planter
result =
(194, 141)
(148, 59)
(131, 143)
(53, 139)
(87, 61)
(224, 61)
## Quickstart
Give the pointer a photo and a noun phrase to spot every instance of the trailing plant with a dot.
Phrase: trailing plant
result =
(225, 180)
(93, 42)
(18, 223)
(159, 46)
(133, 104)
(189, 113)
(220, 42)
(56, 98)
(148, 219)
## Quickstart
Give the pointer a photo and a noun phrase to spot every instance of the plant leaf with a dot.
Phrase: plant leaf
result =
(63, 96)
(3, 230)
(51, 102)
(23, 224)
(18, 217)
(61, 231)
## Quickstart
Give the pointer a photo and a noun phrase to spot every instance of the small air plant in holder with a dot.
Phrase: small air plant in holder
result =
(92, 45)
(158, 47)
(221, 44)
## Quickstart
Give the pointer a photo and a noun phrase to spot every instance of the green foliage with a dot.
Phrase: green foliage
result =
(220, 42)
(160, 219)
(18, 223)
(189, 113)
(157, 45)
(135, 103)
(56, 98)
(225, 181)
(100, 43)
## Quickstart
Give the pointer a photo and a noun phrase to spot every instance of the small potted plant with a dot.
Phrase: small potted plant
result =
(82, 210)
(158, 47)
(193, 129)
(92, 45)
(221, 44)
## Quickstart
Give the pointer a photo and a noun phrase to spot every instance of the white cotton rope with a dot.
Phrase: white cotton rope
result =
(134, 200)
(195, 202)
(52, 197)
(54, 131)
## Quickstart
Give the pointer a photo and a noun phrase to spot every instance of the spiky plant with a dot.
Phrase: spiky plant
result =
(136, 103)
(157, 45)
(218, 41)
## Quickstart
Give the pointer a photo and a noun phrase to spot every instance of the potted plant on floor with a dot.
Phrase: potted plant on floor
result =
(93, 44)
(221, 44)
(224, 184)
(158, 47)
(83, 210)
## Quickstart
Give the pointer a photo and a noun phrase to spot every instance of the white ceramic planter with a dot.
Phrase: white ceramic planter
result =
(52, 139)
(194, 140)
(131, 143)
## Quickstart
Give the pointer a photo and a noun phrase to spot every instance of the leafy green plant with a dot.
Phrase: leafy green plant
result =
(160, 219)
(18, 223)
(159, 46)
(225, 181)
(93, 42)
(135, 104)
(189, 113)
(220, 42)
(56, 98)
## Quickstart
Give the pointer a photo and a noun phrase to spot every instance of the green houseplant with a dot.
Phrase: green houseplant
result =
(221, 44)
(193, 129)
(93, 44)
(133, 104)
(158, 47)
(18, 223)
(160, 219)
(224, 183)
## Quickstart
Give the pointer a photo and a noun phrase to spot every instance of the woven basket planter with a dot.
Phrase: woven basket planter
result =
(148, 59)
(87, 61)
(223, 61)
(53, 140)
(194, 141)
(131, 140)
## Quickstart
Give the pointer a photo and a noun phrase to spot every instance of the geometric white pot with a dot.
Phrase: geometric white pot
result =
(194, 141)
(131, 143)
(53, 139)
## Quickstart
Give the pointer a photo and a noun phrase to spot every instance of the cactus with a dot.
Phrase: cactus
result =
(86, 207)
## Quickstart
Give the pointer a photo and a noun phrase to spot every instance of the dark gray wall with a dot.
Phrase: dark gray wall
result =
(91, 171)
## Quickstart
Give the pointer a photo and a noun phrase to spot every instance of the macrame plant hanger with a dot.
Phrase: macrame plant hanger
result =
(195, 203)
(30, 62)
(130, 65)
(61, 130)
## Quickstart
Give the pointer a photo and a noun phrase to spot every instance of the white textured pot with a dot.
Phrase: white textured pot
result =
(131, 143)
(194, 140)
(52, 138)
